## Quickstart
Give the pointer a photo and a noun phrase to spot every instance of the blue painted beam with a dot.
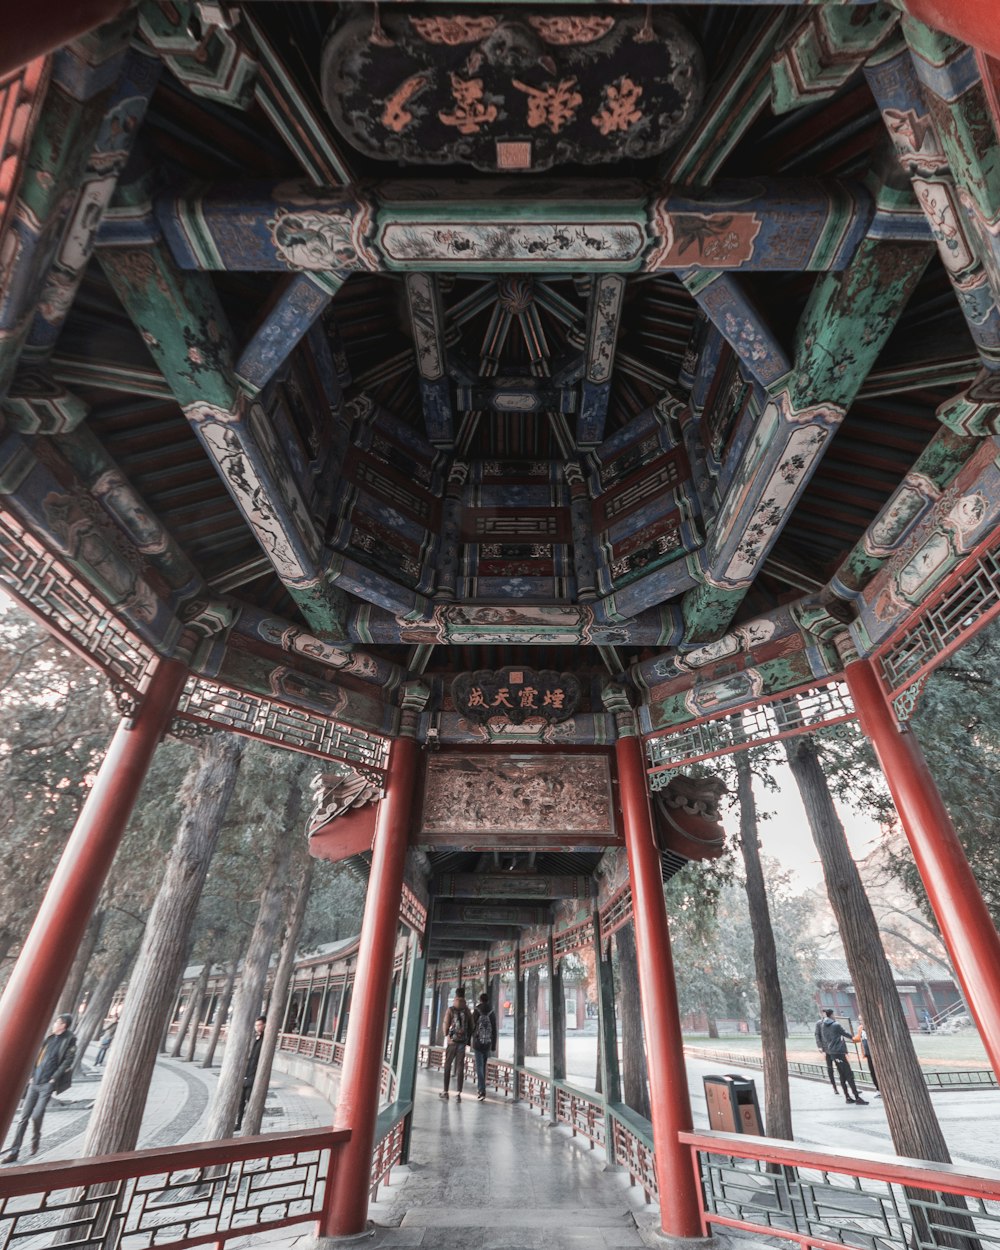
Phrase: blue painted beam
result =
(301, 303)
(768, 225)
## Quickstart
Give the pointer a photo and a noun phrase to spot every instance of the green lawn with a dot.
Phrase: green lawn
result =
(934, 1050)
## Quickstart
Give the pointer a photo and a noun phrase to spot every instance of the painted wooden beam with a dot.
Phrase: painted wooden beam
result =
(427, 323)
(768, 225)
(471, 913)
(500, 394)
(603, 319)
(932, 472)
(483, 624)
(726, 304)
(844, 327)
(202, 50)
(510, 885)
(967, 511)
(957, 97)
(308, 136)
(254, 626)
(68, 129)
(188, 335)
(824, 49)
(44, 492)
(301, 302)
(125, 111)
(296, 679)
(926, 157)
(733, 105)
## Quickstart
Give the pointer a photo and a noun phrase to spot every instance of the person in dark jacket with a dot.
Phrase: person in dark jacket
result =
(253, 1059)
(484, 1040)
(829, 1058)
(835, 1038)
(52, 1073)
(458, 1034)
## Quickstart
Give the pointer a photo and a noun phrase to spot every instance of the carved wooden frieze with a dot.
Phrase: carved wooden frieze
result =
(507, 800)
(511, 91)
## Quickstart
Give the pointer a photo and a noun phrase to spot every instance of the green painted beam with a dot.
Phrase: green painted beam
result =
(843, 329)
(188, 335)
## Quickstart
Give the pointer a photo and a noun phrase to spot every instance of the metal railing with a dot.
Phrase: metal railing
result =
(173, 1197)
(814, 1199)
(946, 1078)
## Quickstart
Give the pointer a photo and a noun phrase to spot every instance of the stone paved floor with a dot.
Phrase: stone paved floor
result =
(176, 1108)
(495, 1176)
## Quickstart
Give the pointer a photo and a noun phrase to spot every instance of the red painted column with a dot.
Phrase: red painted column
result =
(680, 1207)
(36, 982)
(345, 1208)
(966, 926)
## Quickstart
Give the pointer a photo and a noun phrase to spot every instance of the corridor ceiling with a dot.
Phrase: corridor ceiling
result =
(345, 347)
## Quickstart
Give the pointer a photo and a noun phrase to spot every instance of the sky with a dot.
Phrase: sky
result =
(786, 837)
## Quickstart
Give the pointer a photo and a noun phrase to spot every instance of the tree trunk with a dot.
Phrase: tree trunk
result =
(200, 991)
(912, 1121)
(206, 791)
(713, 1027)
(279, 992)
(635, 1091)
(777, 1100)
(190, 1013)
(531, 1012)
(249, 994)
(70, 997)
(221, 1011)
(101, 999)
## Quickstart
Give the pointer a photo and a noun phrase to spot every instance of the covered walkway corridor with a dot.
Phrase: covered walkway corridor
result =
(495, 1175)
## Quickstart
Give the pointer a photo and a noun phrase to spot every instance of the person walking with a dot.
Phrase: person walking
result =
(250, 1072)
(829, 1058)
(107, 1037)
(835, 1038)
(484, 1040)
(862, 1037)
(52, 1074)
(457, 1031)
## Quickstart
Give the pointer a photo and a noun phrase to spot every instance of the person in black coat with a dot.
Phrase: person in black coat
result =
(253, 1059)
(52, 1074)
(835, 1038)
(484, 1040)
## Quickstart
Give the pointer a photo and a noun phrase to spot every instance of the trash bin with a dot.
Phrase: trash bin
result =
(732, 1105)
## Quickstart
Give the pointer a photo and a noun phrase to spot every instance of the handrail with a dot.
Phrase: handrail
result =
(68, 1173)
(969, 1179)
(173, 1197)
(822, 1201)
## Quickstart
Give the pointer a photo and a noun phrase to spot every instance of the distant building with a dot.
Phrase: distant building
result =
(930, 989)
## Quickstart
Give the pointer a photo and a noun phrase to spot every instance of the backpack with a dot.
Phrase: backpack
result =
(456, 1030)
(482, 1038)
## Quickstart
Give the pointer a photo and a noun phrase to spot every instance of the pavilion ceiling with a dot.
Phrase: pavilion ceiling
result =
(327, 396)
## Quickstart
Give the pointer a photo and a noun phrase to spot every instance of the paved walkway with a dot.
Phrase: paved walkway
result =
(496, 1176)
(176, 1108)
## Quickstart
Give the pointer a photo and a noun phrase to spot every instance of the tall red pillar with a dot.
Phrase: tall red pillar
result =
(680, 1208)
(345, 1208)
(37, 979)
(965, 923)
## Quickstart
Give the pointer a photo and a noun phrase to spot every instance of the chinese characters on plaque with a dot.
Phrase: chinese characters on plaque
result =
(515, 694)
